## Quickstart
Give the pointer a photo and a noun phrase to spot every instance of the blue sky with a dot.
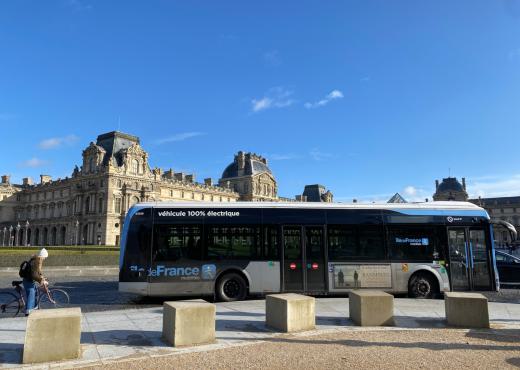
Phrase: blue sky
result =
(366, 97)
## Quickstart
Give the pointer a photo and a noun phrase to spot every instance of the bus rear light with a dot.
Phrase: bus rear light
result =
(314, 266)
(292, 266)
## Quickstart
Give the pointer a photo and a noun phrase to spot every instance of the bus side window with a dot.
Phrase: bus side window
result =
(412, 243)
(371, 242)
(174, 242)
(271, 248)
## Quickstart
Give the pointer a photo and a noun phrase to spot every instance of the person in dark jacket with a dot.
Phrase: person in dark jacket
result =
(29, 285)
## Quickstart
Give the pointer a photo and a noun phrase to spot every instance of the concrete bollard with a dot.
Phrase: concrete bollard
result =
(52, 335)
(371, 308)
(290, 312)
(469, 310)
(188, 323)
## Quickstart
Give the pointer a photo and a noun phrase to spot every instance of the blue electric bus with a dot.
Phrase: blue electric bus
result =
(232, 250)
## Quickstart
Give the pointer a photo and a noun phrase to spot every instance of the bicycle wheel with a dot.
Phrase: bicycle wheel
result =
(56, 298)
(9, 304)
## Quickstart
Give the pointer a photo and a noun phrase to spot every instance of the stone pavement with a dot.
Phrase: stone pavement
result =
(136, 333)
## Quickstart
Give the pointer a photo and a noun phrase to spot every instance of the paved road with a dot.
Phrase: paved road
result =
(99, 293)
(94, 293)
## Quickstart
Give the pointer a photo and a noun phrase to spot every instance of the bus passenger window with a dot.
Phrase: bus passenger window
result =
(349, 243)
(271, 250)
(412, 243)
(175, 242)
(233, 242)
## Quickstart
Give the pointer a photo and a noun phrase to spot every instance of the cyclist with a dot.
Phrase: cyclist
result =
(36, 276)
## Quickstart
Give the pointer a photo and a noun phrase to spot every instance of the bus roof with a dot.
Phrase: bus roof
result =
(445, 206)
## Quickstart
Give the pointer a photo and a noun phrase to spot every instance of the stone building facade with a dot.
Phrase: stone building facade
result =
(90, 206)
(250, 177)
(450, 189)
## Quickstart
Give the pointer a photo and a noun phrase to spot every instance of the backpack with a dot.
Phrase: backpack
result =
(25, 270)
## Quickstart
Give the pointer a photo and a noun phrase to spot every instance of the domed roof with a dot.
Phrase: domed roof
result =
(246, 164)
(450, 184)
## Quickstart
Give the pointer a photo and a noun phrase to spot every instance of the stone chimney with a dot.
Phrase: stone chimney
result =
(6, 179)
(241, 160)
(44, 179)
(436, 185)
(190, 178)
(464, 183)
(179, 176)
(208, 181)
(27, 181)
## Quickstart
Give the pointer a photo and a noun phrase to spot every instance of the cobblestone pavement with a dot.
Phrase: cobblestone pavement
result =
(369, 349)
(136, 333)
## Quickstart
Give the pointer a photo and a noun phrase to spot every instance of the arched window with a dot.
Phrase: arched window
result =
(134, 200)
(135, 166)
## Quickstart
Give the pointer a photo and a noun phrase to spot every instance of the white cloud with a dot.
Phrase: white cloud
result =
(78, 5)
(318, 155)
(281, 157)
(276, 97)
(180, 137)
(56, 142)
(272, 58)
(333, 95)
(410, 191)
(500, 186)
(34, 162)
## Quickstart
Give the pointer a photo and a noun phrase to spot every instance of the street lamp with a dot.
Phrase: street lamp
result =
(10, 235)
(17, 235)
(76, 225)
(26, 232)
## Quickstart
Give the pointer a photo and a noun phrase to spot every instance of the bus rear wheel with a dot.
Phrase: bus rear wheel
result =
(231, 287)
(422, 286)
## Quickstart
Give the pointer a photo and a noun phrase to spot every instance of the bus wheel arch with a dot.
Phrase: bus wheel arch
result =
(423, 284)
(231, 285)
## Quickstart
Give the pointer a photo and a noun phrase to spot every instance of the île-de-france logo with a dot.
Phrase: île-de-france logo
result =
(209, 272)
(450, 219)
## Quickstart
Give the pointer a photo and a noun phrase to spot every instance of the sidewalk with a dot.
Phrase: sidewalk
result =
(136, 333)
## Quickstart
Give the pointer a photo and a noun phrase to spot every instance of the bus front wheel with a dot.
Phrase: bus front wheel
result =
(231, 287)
(422, 285)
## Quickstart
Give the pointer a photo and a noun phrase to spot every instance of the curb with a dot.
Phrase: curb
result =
(63, 271)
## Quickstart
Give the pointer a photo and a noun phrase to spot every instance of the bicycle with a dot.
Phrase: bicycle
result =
(12, 303)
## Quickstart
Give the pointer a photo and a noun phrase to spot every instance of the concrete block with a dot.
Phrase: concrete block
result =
(188, 323)
(290, 312)
(371, 308)
(468, 310)
(52, 335)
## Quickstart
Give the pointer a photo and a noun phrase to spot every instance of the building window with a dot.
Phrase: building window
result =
(203, 197)
(100, 205)
(171, 193)
(135, 166)
(192, 195)
(118, 205)
(119, 183)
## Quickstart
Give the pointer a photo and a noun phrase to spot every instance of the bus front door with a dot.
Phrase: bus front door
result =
(469, 259)
(304, 259)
